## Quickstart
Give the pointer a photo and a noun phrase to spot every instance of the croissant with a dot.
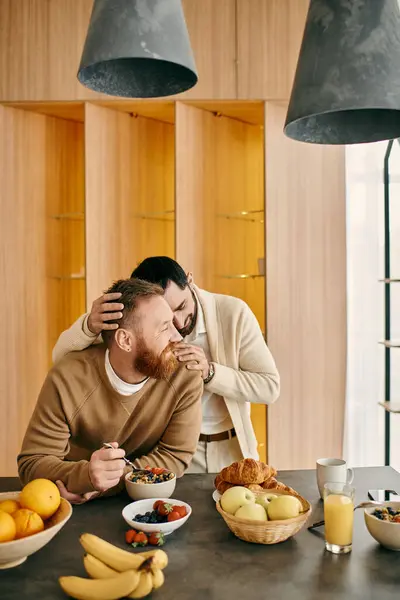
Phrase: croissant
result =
(272, 483)
(222, 485)
(247, 471)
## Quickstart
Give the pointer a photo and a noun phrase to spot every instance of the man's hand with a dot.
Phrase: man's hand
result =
(75, 498)
(103, 310)
(194, 356)
(106, 467)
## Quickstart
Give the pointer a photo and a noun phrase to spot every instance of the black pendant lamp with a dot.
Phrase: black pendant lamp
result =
(347, 84)
(137, 49)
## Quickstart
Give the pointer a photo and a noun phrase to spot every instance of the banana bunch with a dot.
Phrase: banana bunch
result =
(115, 573)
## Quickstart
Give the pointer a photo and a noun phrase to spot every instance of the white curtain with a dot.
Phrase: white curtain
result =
(364, 423)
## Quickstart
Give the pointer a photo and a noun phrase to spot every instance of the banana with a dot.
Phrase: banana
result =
(118, 559)
(160, 558)
(145, 586)
(113, 588)
(158, 578)
(97, 569)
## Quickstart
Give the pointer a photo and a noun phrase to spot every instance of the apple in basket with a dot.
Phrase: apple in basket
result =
(235, 498)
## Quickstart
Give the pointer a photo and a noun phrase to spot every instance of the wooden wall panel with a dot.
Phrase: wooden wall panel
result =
(212, 28)
(38, 170)
(40, 49)
(269, 34)
(108, 156)
(306, 295)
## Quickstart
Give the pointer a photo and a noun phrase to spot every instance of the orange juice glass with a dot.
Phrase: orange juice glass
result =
(339, 517)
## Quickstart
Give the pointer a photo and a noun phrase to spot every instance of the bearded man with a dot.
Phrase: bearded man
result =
(129, 391)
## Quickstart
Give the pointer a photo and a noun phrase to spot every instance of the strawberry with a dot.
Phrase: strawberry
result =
(156, 539)
(141, 539)
(164, 509)
(174, 516)
(157, 503)
(158, 470)
(181, 510)
(130, 536)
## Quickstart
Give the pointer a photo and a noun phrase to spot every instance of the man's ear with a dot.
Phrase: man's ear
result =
(190, 278)
(124, 340)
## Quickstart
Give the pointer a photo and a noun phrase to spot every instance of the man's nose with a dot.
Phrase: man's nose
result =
(179, 322)
(176, 336)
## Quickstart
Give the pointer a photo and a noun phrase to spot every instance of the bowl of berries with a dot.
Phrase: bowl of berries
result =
(152, 483)
(165, 515)
(383, 523)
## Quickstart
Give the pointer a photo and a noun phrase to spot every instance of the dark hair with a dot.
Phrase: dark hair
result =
(161, 270)
(132, 291)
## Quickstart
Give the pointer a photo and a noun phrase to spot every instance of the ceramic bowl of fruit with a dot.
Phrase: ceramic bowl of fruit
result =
(29, 520)
(159, 483)
(383, 523)
(165, 515)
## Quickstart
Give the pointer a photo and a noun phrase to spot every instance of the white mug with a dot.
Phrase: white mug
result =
(332, 470)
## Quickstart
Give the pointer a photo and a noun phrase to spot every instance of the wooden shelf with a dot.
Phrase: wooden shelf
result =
(162, 215)
(69, 217)
(389, 280)
(243, 215)
(241, 276)
(68, 277)
(392, 407)
(390, 343)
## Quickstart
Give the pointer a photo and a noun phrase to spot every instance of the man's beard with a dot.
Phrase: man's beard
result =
(187, 330)
(157, 366)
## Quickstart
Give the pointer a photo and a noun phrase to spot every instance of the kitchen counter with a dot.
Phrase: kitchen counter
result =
(207, 562)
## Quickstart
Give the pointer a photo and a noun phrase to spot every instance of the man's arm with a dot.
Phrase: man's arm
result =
(87, 329)
(257, 379)
(179, 441)
(46, 443)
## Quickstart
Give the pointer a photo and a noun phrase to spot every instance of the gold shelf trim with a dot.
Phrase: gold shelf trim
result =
(392, 407)
(242, 276)
(243, 215)
(68, 217)
(162, 215)
(68, 277)
(389, 280)
(390, 343)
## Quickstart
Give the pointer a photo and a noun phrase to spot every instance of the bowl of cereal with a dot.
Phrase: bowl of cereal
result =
(383, 523)
(155, 483)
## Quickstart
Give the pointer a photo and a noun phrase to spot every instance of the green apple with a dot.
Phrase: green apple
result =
(252, 512)
(263, 501)
(283, 507)
(235, 497)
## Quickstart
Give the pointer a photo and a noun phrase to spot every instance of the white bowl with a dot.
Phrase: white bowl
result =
(384, 532)
(16, 552)
(142, 491)
(143, 506)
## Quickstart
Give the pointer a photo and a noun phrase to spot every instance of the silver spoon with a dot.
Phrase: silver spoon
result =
(128, 462)
(361, 505)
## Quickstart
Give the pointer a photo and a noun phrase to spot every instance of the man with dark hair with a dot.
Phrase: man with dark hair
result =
(129, 390)
(222, 340)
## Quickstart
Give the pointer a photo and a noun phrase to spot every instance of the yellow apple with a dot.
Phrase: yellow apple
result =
(235, 497)
(263, 501)
(283, 507)
(252, 512)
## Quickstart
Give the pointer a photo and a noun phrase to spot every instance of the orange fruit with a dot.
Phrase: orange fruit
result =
(41, 496)
(9, 506)
(8, 528)
(27, 522)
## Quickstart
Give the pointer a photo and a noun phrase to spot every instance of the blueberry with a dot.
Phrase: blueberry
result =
(148, 514)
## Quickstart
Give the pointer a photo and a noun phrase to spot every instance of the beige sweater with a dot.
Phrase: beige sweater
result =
(245, 371)
(78, 410)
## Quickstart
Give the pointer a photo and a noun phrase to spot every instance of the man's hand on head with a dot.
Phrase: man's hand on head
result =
(194, 357)
(105, 309)
(106, 467)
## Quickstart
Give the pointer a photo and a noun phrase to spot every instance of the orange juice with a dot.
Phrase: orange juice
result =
(339, 516)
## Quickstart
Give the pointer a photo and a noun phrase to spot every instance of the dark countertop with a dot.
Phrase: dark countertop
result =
(207, 562)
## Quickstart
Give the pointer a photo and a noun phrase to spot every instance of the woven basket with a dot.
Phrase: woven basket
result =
(267, 532)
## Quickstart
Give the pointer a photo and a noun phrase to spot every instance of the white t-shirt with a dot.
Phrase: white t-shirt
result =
(120, 386)
(216, 418)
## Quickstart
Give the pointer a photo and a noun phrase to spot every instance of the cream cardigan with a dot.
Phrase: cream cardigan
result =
(245, 370)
